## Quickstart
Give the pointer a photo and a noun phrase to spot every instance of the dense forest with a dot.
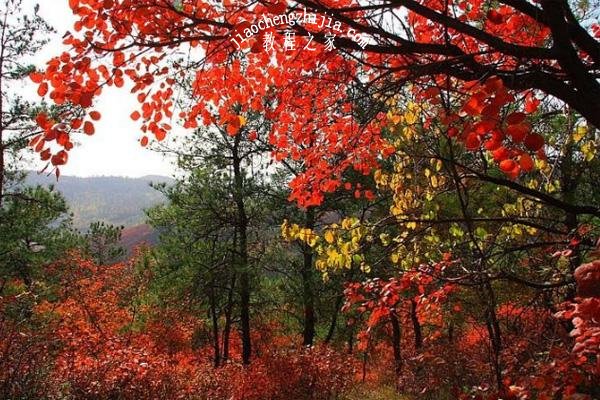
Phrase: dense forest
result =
(373, 200)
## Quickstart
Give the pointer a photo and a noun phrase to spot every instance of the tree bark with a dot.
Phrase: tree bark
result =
(396, 343)
(242, 252)
(228, 313)
(416, 324)
(215, 329)
(493, 327)
(336, 311)
(308, 295)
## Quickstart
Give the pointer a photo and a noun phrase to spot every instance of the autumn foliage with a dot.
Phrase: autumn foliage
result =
(91, 346)
(445, 175)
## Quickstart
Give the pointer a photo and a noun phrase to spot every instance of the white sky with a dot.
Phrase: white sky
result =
(115, 148)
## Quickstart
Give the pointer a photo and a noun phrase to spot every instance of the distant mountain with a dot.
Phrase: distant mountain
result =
(114, 200)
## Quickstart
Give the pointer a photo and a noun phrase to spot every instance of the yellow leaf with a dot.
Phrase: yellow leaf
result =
(589, 151)
(580, 133)
(385, 239)
(329, 238)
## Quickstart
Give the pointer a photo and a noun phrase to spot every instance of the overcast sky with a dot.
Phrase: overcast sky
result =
(114, 149)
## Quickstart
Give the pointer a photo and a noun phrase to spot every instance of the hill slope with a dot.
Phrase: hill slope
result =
(115, 200)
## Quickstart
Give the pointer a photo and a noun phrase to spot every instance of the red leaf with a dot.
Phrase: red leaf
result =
(277, 7)
(473, 142)
(45, 155)
(526, 162)
(495, 17)
(36, 77)
(95, 115)
(534, 142)
(60, 158)
(531, 104)
(160, 134)
(517, 132)
(88, 128)
(515, 118)
(43, 89)
(500, 154)
(507, 165)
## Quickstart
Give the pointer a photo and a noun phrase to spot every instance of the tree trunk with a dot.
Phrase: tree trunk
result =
(396, 343)
(228, 313)
(336, 311)
(416, 324)
(493, 327)
(215, 329)
(2, 149)
(308, 296)
(242, 253)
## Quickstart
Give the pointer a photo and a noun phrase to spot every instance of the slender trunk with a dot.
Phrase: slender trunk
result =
(396, 343)
(336, 311)
(416, 324)
(1, 166)
(365, 359)
(2, 148)
(242, 253)
(308, 295)
(493, 327)
(228, 313)
(215, 329)
(245, 317)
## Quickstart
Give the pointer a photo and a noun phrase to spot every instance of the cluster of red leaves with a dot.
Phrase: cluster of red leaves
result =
(379, 297)
(585, 312)
(308, 97)
(485, 122)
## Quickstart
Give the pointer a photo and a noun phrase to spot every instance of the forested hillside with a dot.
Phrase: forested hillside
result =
(114, 200)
